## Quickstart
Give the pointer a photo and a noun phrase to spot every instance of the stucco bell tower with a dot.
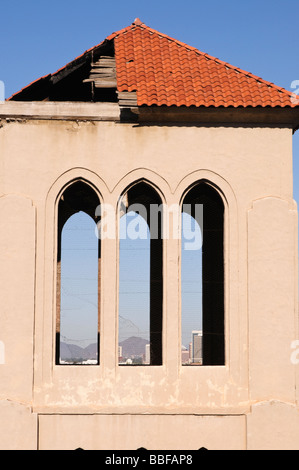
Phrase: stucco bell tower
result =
(144, 119)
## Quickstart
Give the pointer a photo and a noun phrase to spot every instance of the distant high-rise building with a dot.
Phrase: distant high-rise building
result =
(147, 354)
(185, 356)
(190, 351)
(196, 349)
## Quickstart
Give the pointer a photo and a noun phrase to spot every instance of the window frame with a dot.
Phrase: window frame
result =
(209, 358)
(157, 358)
(58, 231)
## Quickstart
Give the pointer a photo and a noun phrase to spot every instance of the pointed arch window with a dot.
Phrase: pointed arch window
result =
(202, 277)
(140, 277)
(78, 277)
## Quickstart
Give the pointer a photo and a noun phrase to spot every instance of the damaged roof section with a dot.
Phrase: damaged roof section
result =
(145, 71)
(159, 70)
(76, 81)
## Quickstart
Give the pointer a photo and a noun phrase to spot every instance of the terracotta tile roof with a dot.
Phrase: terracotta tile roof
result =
(165, 71)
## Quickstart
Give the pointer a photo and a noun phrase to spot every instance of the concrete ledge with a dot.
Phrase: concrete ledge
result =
(59, 110)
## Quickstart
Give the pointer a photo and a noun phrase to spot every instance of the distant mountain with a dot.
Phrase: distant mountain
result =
(73, 352)
(133, 346)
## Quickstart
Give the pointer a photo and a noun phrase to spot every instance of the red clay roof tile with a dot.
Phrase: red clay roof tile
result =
(165, 71)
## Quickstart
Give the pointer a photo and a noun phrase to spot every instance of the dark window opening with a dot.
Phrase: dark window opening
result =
(71, 87)
(89, 78)
(203, 278)
(78, 277)
(141, 277)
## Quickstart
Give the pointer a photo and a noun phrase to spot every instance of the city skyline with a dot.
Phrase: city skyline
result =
(79, 282)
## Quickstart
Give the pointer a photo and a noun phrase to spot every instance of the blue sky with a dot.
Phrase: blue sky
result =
(79, 281)
(259, 36)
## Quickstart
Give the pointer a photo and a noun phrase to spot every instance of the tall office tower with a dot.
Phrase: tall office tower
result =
(147, 353)
(196, 347)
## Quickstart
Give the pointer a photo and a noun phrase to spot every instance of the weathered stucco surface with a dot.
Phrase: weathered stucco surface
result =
(217, 407)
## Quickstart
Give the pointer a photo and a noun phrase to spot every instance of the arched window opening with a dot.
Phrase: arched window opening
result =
(134, 292)
(140, 277)
(78, 277)
(191, 301)
(202, 277)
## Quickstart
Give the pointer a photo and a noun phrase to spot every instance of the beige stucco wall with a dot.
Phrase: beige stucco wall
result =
(252, 169)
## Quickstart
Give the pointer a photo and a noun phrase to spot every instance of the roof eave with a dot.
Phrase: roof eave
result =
(227, 116)
(154, 115)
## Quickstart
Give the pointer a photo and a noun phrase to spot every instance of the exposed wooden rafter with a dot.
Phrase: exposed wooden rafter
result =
(103, 73)
(127, 99)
